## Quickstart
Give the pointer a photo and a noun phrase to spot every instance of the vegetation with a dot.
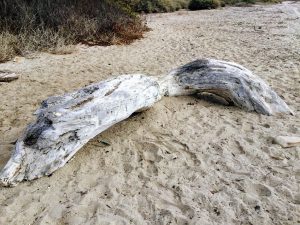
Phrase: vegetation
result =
(49, 25)
(55, 25)
(149, 6)
(204, 4)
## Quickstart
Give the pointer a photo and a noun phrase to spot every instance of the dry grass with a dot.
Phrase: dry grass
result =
(7, 46)
(204, 4)
(51, 25)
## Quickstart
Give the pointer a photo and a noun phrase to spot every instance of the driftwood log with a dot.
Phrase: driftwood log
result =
(65, 123)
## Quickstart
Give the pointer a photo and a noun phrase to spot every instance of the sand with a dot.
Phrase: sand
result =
(186, 160)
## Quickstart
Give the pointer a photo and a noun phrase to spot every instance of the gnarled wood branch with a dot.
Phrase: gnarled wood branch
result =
(65, 123)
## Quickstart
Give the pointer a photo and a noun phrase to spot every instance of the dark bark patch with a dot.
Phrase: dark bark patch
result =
(34, 131)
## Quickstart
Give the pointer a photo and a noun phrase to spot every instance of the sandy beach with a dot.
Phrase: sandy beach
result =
(184, 161)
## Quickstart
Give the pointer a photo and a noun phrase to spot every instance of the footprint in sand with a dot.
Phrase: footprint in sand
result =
(258, 189)
(150, 154)
(262, 190)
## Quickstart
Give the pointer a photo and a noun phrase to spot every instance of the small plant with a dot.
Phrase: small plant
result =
(204, 4)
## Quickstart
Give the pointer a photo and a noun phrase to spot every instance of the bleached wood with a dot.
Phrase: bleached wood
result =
(65, 123)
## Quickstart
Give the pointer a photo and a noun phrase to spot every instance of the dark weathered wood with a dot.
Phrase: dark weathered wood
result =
(65, 123)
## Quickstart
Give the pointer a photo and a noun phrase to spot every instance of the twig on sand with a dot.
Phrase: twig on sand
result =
(7, 76)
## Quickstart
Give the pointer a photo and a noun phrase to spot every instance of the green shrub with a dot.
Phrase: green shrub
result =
(204, 4)
(149, 6)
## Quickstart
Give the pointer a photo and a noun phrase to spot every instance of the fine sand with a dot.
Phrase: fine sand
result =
(184, 161)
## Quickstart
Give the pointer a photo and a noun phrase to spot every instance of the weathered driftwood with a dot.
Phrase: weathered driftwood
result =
(65, 123)
(7, 76)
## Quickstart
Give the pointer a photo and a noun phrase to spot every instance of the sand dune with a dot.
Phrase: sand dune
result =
(184, 161)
